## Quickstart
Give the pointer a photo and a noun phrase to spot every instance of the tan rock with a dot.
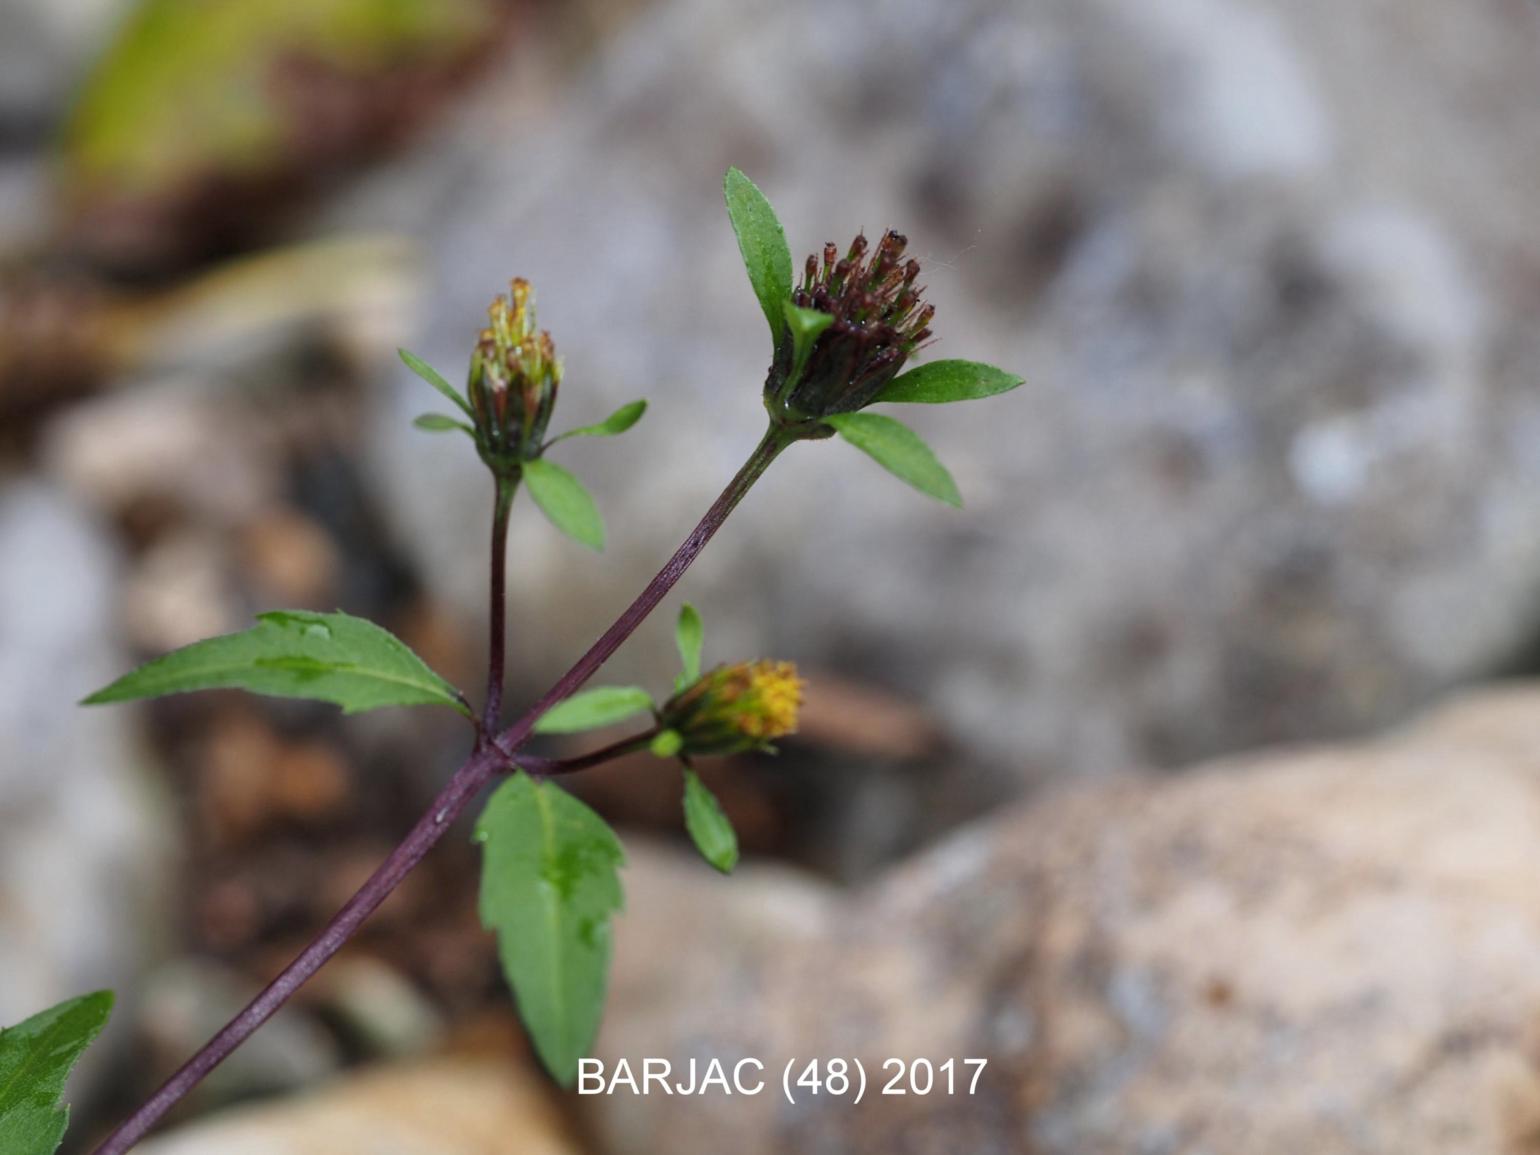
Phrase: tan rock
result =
(1332, 949)
(450, 1106)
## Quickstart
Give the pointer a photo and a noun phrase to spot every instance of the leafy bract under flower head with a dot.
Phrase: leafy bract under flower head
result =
(732, 709)
(513, 381)
(877, 319)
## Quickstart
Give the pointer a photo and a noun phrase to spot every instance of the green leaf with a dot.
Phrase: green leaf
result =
(690, 636)
(296, 654)
(617, 422)
(36, 1058)
(667, 744)
(562, 498)
(899, 450)
(806, 325)
(591, 709)
(762, 242)
(708, 826)
(549, 884)
(432, 376)
(438, 423)
(943, 381)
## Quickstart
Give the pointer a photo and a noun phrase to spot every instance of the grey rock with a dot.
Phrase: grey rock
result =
(1325, 949)
(45, 45)
(1268, 267)
(84, 839)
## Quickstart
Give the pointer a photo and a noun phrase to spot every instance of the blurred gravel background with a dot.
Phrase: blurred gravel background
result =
(1271, 270)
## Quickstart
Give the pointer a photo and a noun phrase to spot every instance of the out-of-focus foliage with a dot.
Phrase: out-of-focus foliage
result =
(189, 86)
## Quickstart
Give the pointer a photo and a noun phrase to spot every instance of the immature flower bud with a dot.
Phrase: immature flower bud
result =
(513, 381)
(732, 709)
(879, 320)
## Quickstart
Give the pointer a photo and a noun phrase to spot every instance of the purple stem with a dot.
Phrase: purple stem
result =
(498, 624)
(466, 782)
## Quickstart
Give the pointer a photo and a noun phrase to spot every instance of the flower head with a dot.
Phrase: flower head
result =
(732, 709)
(513, 381)
(878, 321)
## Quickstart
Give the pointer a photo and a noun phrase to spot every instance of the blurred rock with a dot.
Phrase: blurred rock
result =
(383, 1013)
(1271, 270)
(1326, 949)
(452, 1106)
(45, 46)
(85, 843)
(188, 1000)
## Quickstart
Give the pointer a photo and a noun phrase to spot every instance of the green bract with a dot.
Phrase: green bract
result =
(36, 1057)
(899, 450)
(592, 709)
(549, 885)
(296, 654)
(762, 242)
(709, 828)
(564, 500)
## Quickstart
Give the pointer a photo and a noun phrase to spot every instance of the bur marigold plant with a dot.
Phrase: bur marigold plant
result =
(842, 336)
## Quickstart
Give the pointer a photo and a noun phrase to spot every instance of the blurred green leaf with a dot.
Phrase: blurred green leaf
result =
(690, 637)
(762, 242)
(899, 450)
(591, 709)
(617, 422)
(942, 381)
(438, 423)
(36, 1057)
(667, 744)
(709, 827)
(562, 498)
(549, 886)
(432, 376)
(190, 90)
(295, 654)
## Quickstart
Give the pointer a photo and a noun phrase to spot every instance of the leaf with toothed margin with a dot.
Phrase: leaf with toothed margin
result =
(550, 883)
(899, 450)
(941, 382)
(36, 1057)
(295, 654)
(762, 242)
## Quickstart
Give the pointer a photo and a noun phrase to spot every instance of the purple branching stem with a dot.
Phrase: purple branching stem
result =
(553, 767)
(498, 616)
(490, 757)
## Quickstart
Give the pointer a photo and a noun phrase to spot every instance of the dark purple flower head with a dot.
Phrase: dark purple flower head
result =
(879, 320)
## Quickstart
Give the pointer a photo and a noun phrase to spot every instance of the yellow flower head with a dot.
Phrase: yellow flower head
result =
(731, 709)
(514, 378)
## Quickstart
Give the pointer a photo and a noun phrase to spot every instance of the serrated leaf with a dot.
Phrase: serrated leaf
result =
(549, 886)
(762, 242)
(617, 422)
(433, 377)
(562, 498)
(709, 827)
(295, 654)
(591, 709)
(806, 325)
(941, 382)
(36, 1057)
(690, 637)
(899, 450)
(438, 423)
